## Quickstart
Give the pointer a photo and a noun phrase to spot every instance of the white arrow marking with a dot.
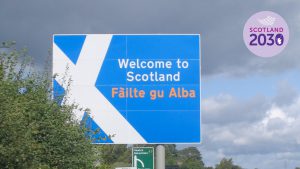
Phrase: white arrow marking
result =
(138, 160)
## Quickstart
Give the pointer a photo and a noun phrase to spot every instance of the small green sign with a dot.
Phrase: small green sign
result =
(143, 157)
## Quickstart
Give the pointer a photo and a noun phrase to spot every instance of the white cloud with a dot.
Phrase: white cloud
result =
(224, 109)
(276, 114)
(273, 136)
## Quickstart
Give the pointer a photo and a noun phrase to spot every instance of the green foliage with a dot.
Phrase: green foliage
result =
(36, 132)
(171, 154)
(110, 154)
(192, 164)
(121, 164)
(191, 158)
(208, 168)
(227, 164)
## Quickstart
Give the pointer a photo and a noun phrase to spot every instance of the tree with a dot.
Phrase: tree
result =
(110, 154)
(227, 164)
(171, 154)
(208, 168)
(190, 158)
(36, 132)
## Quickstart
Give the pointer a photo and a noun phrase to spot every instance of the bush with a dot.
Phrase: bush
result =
(36, 132)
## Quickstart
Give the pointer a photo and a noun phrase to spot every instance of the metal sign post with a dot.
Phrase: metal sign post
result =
(160, 157)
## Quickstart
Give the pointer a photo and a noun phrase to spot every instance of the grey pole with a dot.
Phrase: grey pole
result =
(160, 157)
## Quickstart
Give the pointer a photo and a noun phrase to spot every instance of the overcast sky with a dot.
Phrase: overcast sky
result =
(250, 105)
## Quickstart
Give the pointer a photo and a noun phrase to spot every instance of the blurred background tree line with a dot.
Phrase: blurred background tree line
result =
(37, 132)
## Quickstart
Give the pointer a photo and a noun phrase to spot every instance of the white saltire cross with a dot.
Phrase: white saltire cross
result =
(83, 91)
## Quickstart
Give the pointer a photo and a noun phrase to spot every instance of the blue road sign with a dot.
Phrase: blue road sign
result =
(140, 88)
